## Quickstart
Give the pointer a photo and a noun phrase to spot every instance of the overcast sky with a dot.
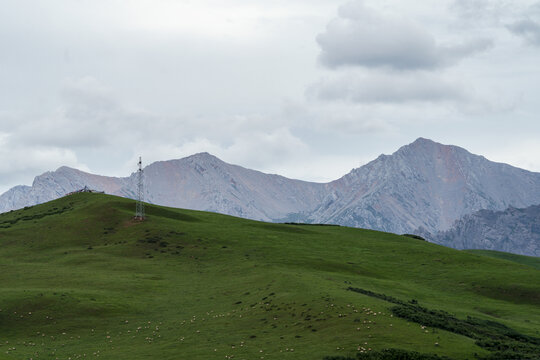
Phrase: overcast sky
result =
(308, 89)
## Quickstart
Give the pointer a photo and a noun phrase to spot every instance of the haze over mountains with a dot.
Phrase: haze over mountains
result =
(422, 185)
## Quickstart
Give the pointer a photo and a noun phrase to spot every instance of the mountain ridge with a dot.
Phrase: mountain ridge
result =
(417, 185)
(424, 184)
(513, 230)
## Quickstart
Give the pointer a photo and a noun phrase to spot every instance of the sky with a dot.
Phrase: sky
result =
(308, 89)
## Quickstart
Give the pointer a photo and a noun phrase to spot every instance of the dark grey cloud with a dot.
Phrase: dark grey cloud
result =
(376, 88)
(528, 29)
(359, 36)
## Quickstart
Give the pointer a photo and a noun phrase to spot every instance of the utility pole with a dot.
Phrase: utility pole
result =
(139, 211)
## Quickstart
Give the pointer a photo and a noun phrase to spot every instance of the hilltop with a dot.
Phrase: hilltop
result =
(80, 279)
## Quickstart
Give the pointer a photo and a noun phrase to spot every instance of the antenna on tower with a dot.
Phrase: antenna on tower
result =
(139, 211)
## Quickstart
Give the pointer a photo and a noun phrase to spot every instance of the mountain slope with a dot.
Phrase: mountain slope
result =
(54, 184)
(425, 184)
(203, 182)
(512, 230)
(81, 279)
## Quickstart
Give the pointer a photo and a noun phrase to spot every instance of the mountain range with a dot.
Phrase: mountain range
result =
(512, 230)
(424, 185)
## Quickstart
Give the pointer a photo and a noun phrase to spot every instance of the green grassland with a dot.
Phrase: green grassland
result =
(80, 279)
(520, 259)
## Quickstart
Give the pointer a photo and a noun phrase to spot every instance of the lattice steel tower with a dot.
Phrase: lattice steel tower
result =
(139, 211)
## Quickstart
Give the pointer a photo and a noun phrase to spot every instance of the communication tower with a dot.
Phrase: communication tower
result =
(139, 211)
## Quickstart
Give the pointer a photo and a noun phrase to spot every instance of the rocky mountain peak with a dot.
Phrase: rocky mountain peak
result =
(196, 161)
(423, 147)
(203, 157)
(421, 141)
(66, 169)
(425, 184)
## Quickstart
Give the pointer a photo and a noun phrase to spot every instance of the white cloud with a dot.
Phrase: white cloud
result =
(21, 162)
(262, 150)
(328, 120)
(362, 37)
(87, 118)
(518, 153)
(164, 79)
(372, 88)
(482, 11)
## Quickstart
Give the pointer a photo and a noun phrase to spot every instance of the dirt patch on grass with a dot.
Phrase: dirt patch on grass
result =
(131, 222)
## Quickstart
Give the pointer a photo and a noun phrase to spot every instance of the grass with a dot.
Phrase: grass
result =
(502, 341)
(80, 279)
(520, 259)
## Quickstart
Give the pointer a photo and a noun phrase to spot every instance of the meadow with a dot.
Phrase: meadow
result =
(81, 279)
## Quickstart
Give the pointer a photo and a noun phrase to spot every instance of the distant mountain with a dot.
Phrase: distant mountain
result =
(55, 184)
(423, 184)
(203, 182)
(199, 182)
(512, 230)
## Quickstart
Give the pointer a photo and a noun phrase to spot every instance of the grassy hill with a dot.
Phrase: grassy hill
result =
(79, 279)
(520, 259)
